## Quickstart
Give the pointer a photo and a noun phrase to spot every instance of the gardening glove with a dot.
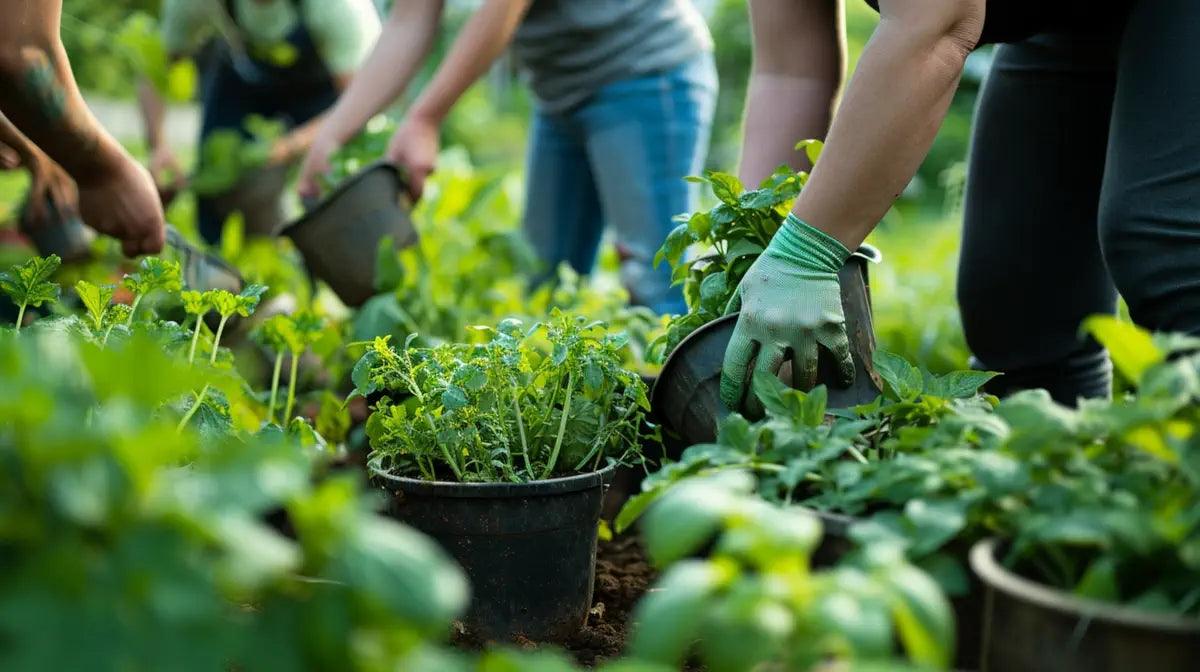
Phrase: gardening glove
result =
(790, 302)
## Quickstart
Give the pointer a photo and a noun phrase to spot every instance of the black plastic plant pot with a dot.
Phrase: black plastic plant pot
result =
(258, 196)
(60, 233)
(687, 396)
(1029, 627)
(339, 237)
(528, 549)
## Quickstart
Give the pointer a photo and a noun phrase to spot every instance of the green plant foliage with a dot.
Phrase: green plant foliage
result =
(96, 299)
(755, 603)
(734, 232)
(29, 284)
(504, 410)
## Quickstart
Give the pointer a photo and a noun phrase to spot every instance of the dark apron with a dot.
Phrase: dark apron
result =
(235, 86)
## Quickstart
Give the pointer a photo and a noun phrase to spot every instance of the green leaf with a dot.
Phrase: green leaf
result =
(28, 284)
(773, 394)
(669, 618)
(674, 246)
(902, 378)
(154, 273)
(958, 384)
(922, 615)
(934, 523)
(96, 299)
(811, 148)
(689, 516)
(196, 303)
(454, 398)
(1132, 348)
(725, 187)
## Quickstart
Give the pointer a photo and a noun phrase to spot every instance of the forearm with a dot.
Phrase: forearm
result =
(153, 113)
(799, 64)
(484, 37)
(39, 93)
(891, 112)
(387, 72)
(11, 136)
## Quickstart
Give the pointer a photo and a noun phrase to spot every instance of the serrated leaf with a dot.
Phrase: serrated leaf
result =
(29, 283)
(95, 299)
(903, 379)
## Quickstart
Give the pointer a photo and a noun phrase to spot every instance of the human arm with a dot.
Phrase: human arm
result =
(41, 98)
(402, 47)
(487, 33)
(164, 165)
(888, 118)
(48, 181)
(799, 63)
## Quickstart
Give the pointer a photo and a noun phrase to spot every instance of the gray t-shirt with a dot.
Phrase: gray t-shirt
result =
(571, 48)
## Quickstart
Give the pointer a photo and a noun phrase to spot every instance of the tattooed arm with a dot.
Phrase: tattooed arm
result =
(38, 94)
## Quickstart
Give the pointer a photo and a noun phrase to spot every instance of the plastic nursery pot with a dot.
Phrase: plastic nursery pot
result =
(687, 397)
(339, 238)
(528, 549)
(201, 270)
(1029, 627)
(60, 233)
(258, 196)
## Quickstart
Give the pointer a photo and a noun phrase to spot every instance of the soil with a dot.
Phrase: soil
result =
(623, 574)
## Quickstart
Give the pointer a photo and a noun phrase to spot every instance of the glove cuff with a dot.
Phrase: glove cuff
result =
(809, 246)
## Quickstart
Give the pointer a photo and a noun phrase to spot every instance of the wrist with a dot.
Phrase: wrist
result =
(808, 246)
(99, 164)
(426, 113)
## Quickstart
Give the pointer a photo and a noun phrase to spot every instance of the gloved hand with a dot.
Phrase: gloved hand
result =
(791, 303)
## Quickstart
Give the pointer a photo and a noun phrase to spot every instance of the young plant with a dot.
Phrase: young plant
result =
(507, 409)
(153, 274)
(288, 335)
(197, 305)
(29, 284)
(227, 305)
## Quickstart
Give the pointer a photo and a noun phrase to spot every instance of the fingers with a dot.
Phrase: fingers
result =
(416, 182)
(834, 338)
(804, 364)
(738, 355)
(770, 358)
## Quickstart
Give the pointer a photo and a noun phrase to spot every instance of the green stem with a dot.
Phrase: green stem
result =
(133, 309)
(21, 316)
(217, 339)
(291, 398)
(104, 341)
(192, 411)
(521, 428)
(195, 340)
(274, 387)
(562, 428)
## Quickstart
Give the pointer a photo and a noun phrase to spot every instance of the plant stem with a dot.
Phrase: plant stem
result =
(133, 309)
(195, 340)
(104, 341)
(562, 428)
(274, 387)
(291, 398)
(192, 411)
(21, 316)
(217, 339)
(521, 428)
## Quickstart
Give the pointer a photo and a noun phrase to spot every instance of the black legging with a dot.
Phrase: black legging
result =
(1084, 181)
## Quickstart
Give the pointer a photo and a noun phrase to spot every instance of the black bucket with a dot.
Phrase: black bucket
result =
(339, 238)
(687, 396)
(528, 549)
(1029, 627)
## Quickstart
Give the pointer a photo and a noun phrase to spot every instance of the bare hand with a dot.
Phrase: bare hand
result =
(316, 164)
(414, 149)
(50, 186)
(121, 200)
(9, 159)
(165, 167)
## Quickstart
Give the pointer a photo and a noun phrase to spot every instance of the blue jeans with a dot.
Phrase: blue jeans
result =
(620, 159)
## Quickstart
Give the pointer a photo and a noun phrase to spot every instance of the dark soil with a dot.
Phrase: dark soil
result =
(623, 575)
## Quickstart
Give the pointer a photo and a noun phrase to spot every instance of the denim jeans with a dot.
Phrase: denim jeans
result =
(619, 160)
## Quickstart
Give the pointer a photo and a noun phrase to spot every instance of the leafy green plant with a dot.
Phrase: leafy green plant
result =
(290, 335)
(503, 410)
(755, 603)
(29, 284)
(153, 274)
(734, 232)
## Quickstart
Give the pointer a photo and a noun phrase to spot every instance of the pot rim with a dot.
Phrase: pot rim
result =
(997, 577)
(453, 489)
(315, 214)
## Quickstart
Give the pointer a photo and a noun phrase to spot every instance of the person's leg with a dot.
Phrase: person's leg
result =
(1031, 268)
(562, 209)
(644, 136)
(224, 104)
(1150, 212)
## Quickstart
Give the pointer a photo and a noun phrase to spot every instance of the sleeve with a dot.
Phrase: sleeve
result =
(344, 31)
(184, 25)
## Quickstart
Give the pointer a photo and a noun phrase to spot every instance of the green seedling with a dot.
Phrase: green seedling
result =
(29, 284)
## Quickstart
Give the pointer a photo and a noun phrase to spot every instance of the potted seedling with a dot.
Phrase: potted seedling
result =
(500, 451)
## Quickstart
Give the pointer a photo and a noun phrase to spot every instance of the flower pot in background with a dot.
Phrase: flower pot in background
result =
(1030, 627)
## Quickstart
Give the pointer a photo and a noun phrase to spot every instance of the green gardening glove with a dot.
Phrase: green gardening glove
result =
(791, 303)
